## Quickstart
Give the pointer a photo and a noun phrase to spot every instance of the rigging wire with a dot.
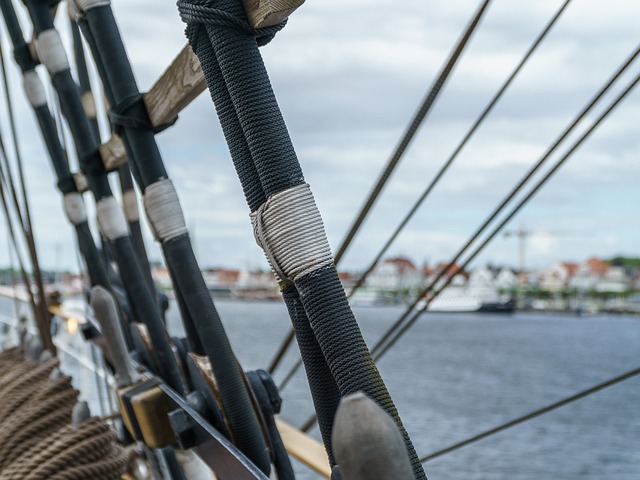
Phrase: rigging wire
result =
(24, 214)
(460, 146)
(380, 348)
(488, 108)
(408, 136)
(393, 334)
(531, 415)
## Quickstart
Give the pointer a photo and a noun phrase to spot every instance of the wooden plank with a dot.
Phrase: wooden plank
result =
(304, 448)
(176, 88)
(266, 13)
(113, 153)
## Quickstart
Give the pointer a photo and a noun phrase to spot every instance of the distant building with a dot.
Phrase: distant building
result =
(395, 274)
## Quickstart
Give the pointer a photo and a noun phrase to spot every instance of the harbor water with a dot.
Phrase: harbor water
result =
(456, 375)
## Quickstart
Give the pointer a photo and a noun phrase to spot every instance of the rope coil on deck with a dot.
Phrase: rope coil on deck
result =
(37, 441)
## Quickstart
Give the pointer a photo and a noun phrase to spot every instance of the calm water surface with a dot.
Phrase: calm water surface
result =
(455, 375)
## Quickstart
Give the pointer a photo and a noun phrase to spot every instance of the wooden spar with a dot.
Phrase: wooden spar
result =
(183, 80)
(266, 13)
(304, 448)
(176, 88)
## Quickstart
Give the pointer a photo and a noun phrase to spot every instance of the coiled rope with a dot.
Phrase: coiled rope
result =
(37, 440)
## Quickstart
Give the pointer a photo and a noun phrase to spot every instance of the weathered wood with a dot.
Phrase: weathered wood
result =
(81, 182)
(266, 13)
(304, 448)
(113, 153)
(178, 86)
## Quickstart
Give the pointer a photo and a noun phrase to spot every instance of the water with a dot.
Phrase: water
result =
(455, 375)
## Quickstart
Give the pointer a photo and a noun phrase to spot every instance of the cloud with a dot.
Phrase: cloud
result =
(349, 76)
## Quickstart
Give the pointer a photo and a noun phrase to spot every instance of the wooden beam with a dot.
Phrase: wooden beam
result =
(113, 153)
(266, 13)
(176, 88)
(304, 448)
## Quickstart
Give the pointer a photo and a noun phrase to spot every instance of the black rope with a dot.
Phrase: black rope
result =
(531, 415)
(143, 300)
(203, 324)
(399, 327)
(268, 160)
(406, 139)
(24, 214)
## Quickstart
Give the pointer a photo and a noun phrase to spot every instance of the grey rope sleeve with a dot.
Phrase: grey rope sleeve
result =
(74, 208)
(164, 211)
(51, 52)
(111, 219)
(289, 228)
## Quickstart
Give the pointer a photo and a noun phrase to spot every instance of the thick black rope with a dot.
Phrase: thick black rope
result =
(399, 327)
(144, 301)
(203, 325)
(532, 415)
(66, 184)
(277, 167)
(320, 378)
(397, 155)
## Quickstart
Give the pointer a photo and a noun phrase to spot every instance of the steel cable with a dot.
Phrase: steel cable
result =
(406, 139)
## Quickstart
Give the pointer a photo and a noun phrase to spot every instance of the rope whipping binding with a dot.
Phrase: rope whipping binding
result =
(405, 141)
(402, 325)
(488, 108)
(203, 326)
(268, 168)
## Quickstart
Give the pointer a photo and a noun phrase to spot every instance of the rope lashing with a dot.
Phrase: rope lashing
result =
(164, 212)
(289, 228)
(132, 113)
(51, 51)
(34, 89)
(262, 150)
(111, 219)
(74, 208)
(200, 11)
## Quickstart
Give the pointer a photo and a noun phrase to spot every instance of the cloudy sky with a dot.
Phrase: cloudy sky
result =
(349, 76)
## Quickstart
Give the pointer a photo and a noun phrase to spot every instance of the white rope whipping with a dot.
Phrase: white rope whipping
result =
(130, 206)
(74, 208)
(289, 228)
(111, 219)
(51, 52)
(84, 5)
(34, 89)
(163, 210)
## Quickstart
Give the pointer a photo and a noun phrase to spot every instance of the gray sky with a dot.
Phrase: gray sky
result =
(349, 76)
